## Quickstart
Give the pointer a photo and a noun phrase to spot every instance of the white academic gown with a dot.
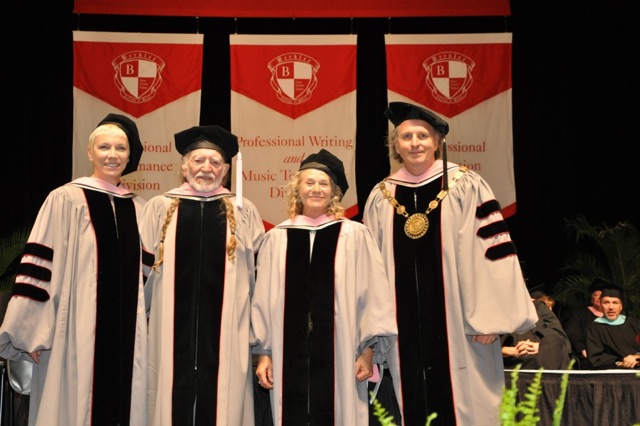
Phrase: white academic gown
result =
(62, 324)
(235, 377)
(482, 295)
(364, 311)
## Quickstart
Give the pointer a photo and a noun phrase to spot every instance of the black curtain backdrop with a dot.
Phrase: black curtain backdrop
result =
(575, 89)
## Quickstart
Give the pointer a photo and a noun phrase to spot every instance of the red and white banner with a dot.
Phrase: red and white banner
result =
(155, 79)
(292, 95)
(466, 79)
(296, 8)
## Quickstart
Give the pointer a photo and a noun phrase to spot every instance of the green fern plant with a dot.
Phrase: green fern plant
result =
(11, 248)
(525, 412)
(381, 413)
(564, 384)
(385, 419)
(608, 252)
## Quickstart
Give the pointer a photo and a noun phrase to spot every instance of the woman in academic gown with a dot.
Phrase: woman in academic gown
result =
(322, 310)
(78, 304)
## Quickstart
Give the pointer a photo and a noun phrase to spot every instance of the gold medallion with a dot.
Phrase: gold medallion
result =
(416, 225)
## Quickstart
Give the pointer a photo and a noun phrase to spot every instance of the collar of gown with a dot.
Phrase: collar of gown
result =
(595, 312)
(185, 190)
(302, 221)
(402, 175)
(617, 321)
(103, 186)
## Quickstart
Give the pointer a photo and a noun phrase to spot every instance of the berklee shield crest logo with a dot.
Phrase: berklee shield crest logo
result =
(449, 76)
(138, 75)
(293, 77)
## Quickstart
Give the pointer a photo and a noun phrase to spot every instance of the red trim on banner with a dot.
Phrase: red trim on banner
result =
(445, 72)
(293, 79)
(467, 79)
(291, 96)
(137, 77)
(351, 211)
(296, 8)
(509, 211)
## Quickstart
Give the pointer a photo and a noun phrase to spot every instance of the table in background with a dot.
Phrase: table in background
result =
(594, 398)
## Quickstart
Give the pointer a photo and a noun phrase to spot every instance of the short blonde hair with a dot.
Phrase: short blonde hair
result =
(108, 129)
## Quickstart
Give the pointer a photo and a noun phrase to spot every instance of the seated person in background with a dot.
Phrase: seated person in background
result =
(544, 346)
(577, 323)
(613, 341)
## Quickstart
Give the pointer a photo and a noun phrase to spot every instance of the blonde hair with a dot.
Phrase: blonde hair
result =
(294, 203)
(108, 129)
(167, 220)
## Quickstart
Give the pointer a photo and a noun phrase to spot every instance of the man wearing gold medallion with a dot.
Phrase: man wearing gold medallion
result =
(456, 274)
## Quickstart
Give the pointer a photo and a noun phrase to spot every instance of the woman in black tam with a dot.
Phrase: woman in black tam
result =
(77, 309)
(321, 311)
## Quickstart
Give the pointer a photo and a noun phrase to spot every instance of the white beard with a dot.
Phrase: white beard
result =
(212, 185)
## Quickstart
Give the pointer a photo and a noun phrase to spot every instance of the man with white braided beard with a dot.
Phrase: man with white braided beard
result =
(202, 241)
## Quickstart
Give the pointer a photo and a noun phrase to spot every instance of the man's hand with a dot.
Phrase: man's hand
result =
(264, 371)
(527, 347)
(35, 356)
(630, 361)
(364, 365)
(484, 339)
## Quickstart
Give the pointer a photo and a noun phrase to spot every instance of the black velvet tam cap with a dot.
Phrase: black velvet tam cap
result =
(133, 137)
(609, 289)
(330, 164)
(397, 112)
(210, 137)
(601, 284)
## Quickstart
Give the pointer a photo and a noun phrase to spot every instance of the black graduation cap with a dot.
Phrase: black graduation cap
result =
(608, 288)
(211, 137)
(133, 137)
(397, 112)
(330, 164)
(599, 284)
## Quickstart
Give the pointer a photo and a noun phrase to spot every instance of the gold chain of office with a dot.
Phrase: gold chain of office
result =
(417, 225)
